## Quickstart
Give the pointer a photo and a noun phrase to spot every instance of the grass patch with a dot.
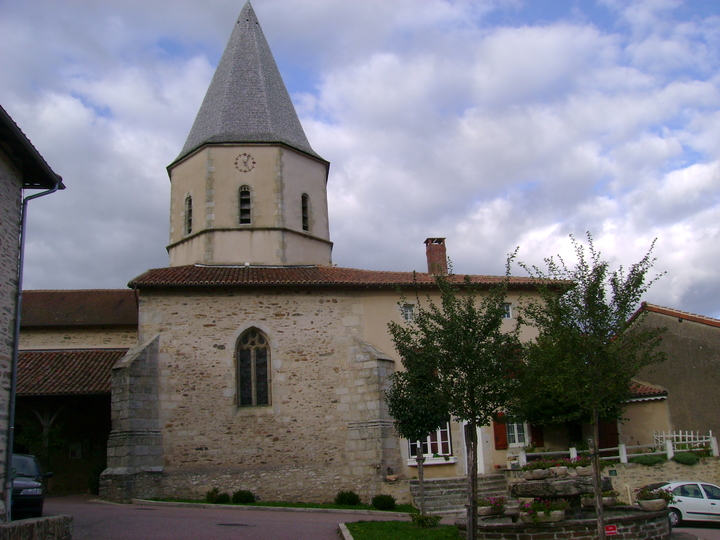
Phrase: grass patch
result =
(402, 508)
(400, 530)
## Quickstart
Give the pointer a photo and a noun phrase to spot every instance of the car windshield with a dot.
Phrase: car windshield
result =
(25, 466)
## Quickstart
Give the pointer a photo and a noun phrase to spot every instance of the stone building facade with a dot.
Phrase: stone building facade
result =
(21, 167)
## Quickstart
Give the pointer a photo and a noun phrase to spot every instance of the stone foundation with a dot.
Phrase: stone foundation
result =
(46, 528)
(631, 525)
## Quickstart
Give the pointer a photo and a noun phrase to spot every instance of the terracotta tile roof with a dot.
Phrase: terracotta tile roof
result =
(702, 319)
(639, 391)
(66, 372)
(313, 276)
(90, 307)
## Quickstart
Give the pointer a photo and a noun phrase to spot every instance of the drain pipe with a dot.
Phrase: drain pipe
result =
(13, 371)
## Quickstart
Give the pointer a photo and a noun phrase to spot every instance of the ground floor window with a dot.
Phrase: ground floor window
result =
(435, 445)
(516, 433)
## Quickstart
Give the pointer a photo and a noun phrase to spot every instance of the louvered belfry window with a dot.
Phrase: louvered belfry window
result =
(253, 369)
(245, 206)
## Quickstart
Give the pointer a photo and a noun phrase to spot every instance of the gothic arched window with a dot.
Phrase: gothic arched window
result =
(253, 369)
(305, 212)
(244, 203)
(188, 214)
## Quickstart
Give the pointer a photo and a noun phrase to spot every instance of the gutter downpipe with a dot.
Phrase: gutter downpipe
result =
(16, 344)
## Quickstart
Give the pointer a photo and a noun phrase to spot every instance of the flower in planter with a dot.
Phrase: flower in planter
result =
(646, 494)
(539, 506)
(496, 503)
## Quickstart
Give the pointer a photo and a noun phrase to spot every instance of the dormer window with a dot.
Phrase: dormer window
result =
(188, 215)
(305, 212)
(244, 202)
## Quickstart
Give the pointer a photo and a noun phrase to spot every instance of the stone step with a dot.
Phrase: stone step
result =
(448, 496)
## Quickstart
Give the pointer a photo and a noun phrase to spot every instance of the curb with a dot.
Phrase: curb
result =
(146, 502)
(344, 533)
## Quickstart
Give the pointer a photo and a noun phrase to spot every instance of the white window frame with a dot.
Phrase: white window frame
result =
(507, 306)
(407, 312)
(514, 435)
(433, 447)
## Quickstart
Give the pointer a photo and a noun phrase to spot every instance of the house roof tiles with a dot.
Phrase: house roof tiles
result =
(66, 372)
(639, 391)
(310, 276)
(90, 307)
(684, 315)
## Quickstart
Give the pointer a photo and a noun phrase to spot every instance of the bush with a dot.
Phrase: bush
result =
(425, 521)
(215, 497)
(384, 502)
(212, 495)
(347, 498)
(243, 496)
(223, 498)
(685, 458)
(647, 460)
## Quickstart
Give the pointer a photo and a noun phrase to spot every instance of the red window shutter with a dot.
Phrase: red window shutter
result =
(500, 432)
(536, 436)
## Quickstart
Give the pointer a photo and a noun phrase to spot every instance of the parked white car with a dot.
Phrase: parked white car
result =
(694, 501)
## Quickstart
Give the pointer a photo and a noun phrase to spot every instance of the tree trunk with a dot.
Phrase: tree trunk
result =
(597, 483)
(420, 458)
(471, 445)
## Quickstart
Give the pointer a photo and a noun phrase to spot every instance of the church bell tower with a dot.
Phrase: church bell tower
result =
(247, 188)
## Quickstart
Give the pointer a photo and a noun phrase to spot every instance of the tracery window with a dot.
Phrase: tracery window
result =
(244, 202)
(188, 214)
(253, 369)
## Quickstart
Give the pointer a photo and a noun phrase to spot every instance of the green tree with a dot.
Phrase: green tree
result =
(587, 350)
(462, 340)
(414, 399)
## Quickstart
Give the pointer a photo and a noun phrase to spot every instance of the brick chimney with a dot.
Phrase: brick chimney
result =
(436, 256)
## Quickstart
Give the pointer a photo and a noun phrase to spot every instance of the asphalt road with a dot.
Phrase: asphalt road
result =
(703, 531)
(95, 520)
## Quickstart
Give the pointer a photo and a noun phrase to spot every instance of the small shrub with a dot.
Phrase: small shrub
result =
(685, 458)
(384, 502)
(425, 521)
(212, 495)
(647, 460)
(347, 498)
(223, 498)
(243, 496)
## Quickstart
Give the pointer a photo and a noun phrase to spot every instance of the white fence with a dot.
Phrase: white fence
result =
(666, 444)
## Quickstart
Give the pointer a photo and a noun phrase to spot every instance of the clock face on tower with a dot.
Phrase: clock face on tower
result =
(245, 162)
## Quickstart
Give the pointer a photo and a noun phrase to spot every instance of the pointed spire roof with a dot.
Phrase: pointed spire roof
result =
(247, 101)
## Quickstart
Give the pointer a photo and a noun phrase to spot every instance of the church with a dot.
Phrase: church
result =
(259, 364)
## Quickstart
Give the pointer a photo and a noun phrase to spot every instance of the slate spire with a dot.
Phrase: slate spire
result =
(247, 101)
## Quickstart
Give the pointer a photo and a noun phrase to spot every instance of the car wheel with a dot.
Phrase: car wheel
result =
(675, 517)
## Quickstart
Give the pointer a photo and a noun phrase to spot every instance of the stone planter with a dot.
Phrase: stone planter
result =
(489, 511)
(654, 505)
(584, 471)
(539, 474)
(542, 517)
(559, 471)
(606, 501)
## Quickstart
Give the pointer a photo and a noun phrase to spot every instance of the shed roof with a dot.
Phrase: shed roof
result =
(684, 315)
(89, 307)
(66, 372)
(36, 173)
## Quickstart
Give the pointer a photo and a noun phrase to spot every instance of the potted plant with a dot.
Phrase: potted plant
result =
(491, 505)
(654, 500)
(540, 510)
(609, 498)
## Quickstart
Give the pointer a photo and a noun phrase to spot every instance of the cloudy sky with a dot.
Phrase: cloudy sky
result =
(494, 123)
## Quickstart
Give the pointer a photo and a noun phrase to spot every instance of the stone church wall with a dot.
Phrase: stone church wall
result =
(326, 430)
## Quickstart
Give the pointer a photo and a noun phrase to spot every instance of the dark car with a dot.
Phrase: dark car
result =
(28, 494)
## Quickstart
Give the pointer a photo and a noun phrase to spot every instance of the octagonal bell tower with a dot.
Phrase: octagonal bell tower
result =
(247, 187)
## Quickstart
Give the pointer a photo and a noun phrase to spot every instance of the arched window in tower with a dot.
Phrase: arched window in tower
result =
(305, 212)
(188, 214)
(253, 369)
(244, 202)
